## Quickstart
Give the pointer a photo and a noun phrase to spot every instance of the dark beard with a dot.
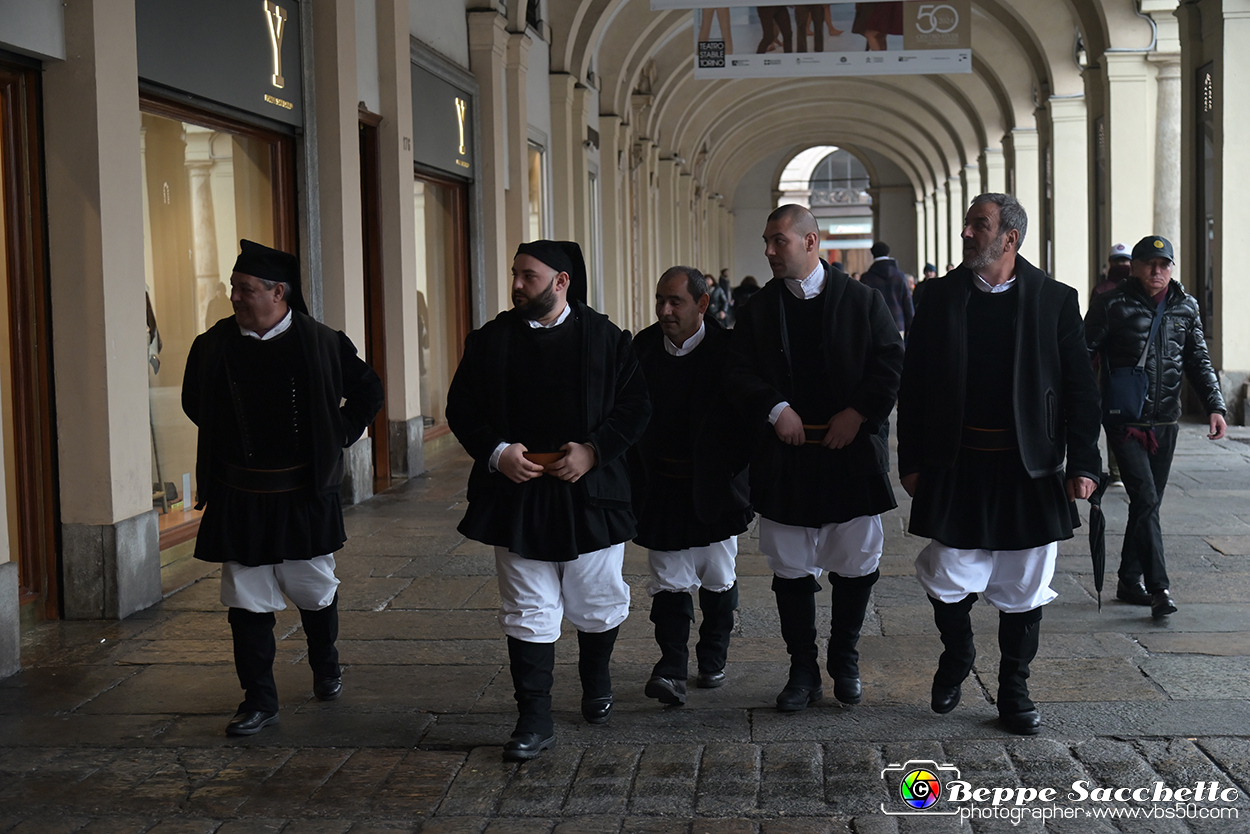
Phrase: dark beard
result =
(539, 306)
(987, 255)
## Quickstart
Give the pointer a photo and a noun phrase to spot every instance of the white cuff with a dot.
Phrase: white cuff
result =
(776, 412)
(493, 464)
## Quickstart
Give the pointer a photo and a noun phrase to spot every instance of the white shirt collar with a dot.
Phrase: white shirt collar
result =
(273, 332)
(809, 287)
(689, 345)
(537, 325)
(882, 258)
(984, 286)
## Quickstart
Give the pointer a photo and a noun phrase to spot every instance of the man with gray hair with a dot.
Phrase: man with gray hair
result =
(997, 394)
(689, 482)
(276, 396)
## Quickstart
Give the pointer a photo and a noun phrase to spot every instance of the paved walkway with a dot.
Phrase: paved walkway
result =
(117, 727)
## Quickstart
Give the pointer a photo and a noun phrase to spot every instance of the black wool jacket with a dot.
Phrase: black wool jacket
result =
(863, 356)
(1055, 398)
(1116, 328)
(719, 440)
(345, 395)
(615, 406)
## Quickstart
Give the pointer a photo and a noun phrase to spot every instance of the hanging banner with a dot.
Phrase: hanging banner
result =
(879, 37)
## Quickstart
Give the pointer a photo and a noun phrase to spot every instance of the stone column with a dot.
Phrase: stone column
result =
(955, 210)
(516, 139)
(488, 45)
(995, 171)
(666, 252)
(399, 251)
(341, 243)
(940, 224)
(683, 249)
(1130, 146)
(922, 236)
(561, 155)
(109, 541)
(1069, 146)
(1025, 173)
(1167, 197)
(614, 186)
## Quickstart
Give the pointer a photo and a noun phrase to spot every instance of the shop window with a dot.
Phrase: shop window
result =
(440, 220)
(538, 193)
(207, 183)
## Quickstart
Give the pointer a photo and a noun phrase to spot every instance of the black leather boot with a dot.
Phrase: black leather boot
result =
(594, 657)
(254, 650)
(850, 604)
(672, 612)
(954, 622)
(1018, 640)
(712, 650)
(532, 667)
(321, 629)
(796, 606)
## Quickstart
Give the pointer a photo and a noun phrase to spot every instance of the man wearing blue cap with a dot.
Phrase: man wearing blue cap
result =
(1148, 335)
(276, 396)
(547, 399)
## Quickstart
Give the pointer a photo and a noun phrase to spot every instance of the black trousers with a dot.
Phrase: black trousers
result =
(1145, 476)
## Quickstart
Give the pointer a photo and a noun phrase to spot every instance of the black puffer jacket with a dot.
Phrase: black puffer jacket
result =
(1116, 328)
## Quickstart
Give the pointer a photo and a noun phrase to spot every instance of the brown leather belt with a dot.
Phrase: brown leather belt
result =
(815, 434)
(679, 469)
(264, 481)
(544, 459)
(988, 440)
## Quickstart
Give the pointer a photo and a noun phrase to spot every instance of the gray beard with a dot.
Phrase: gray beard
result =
(988, 255)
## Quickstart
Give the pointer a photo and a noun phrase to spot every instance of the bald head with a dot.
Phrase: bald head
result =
(797, 218)
(792, 242)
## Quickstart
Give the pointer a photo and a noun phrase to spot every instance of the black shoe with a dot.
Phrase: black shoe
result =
(848, 690)
(328, 689)
(597, 710)
(795, 698)
(1134, 594)
(669, 691)
(710, 680)
(1025, 723)
(524, 746)
(1161, 604)
(250, 722)
(945, 698)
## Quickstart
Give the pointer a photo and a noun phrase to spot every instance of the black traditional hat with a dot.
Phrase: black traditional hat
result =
(562, 256)
(268, 264)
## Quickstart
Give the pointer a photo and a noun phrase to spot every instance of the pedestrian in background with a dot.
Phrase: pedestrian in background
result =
(885, 277)
(1147, 334)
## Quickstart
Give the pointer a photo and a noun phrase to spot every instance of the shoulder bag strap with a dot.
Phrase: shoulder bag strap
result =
(1154, 330)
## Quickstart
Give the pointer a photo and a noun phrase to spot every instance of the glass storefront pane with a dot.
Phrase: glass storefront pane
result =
(203, 190)
(537, 201)
(436, 218)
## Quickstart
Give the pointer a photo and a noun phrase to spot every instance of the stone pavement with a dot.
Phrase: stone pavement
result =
(117, 727)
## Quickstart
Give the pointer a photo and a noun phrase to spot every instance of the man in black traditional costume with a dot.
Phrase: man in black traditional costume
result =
(690, 484)
(276, 396)
(997, 390)
(817, 357)
(547, 399)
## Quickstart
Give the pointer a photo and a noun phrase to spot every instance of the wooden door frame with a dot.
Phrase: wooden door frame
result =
(374, 288)
(461, 290)
(29, 334)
